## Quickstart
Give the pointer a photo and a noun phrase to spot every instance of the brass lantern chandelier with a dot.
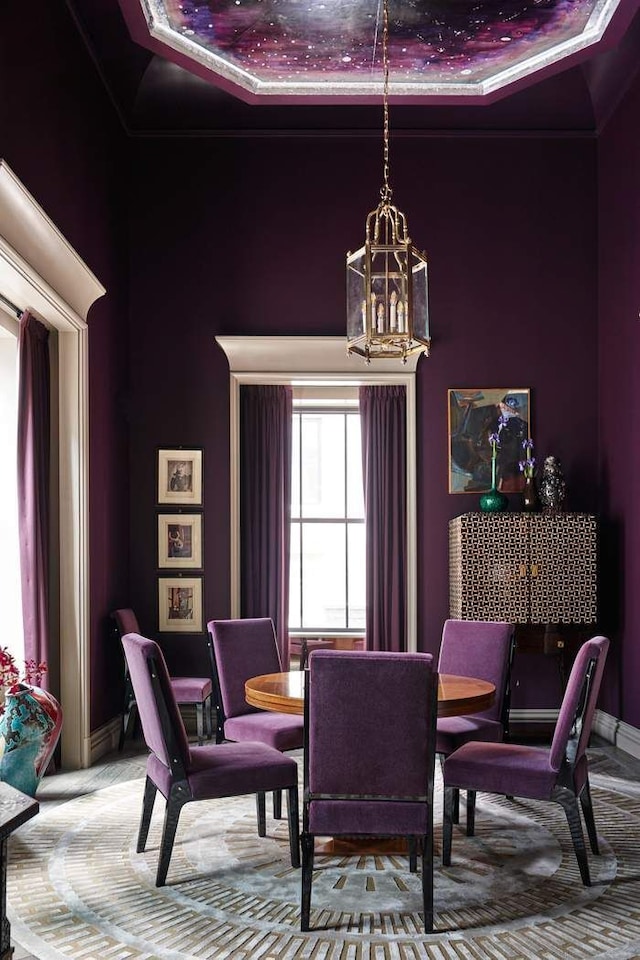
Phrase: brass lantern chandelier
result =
(387, 305)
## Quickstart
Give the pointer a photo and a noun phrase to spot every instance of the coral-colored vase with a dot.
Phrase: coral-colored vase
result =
(29, 732)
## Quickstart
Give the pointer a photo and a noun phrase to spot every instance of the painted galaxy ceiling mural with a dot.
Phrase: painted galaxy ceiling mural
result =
(337, 43)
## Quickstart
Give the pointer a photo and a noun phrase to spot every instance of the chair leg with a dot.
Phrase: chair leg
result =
(456, 805)
(456, 792)
(569, 803)
(427, 881)
(175, 804)
(471, 813)
(412, 844)
(128, 712)
(447, 826)
(261, 811)
(587, 810)
(200, 723)
(147, 809)
(294, 827)
(277, 804)
(307, 878)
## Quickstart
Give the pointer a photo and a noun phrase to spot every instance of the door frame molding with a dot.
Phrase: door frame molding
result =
(41, 272)
(316, 360)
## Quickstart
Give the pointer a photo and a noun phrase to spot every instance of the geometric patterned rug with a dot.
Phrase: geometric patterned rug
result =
(77, 889)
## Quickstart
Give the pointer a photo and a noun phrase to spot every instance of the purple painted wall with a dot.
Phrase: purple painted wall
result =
(249, 237)
(60, 135)
(619, 349)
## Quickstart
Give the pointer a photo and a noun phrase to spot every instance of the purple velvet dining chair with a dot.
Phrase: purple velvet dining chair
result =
(184, 773)
(559, 773)
(238, 650)
(363, 774)
(483, 649)
(196, 691)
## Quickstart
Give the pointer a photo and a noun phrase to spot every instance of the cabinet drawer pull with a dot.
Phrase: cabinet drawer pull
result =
(523, 569)
(534, 569)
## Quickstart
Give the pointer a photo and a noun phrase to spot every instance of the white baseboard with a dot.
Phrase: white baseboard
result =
(628, 739)
(104, 740)
(614, 731)
(533, 716)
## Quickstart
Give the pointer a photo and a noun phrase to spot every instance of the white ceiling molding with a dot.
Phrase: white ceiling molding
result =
(305, 355)
(38, 268)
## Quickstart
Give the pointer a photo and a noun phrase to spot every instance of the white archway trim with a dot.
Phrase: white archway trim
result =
(41, 272)
(316, 360)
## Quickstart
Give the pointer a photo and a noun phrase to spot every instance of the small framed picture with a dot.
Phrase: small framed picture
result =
(180, 476)
(180, 604)
(474, 415)
(180, 541)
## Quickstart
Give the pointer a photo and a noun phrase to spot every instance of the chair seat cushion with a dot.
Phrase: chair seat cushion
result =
(453, 732)
(284, 731)
(509, 768)
(230, 769)
(368, 817)
(191, 689)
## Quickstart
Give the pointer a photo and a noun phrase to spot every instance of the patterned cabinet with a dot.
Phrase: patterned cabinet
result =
(523, 567)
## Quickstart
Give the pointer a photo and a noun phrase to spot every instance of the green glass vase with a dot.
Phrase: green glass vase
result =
(493, 501)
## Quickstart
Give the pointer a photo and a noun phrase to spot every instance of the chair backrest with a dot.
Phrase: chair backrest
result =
(242, 649)
(162, 725)
(370, 724)
(126, 621)
(483, 649)
(575, 719)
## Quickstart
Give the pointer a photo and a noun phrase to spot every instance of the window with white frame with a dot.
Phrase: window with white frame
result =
(327, 555)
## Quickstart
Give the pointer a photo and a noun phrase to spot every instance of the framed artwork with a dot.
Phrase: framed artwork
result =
(474, 414)
(180, 476)
(180, 540)
(180, 604)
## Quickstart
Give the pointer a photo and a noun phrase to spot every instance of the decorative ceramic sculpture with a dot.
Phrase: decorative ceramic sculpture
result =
(553, 489)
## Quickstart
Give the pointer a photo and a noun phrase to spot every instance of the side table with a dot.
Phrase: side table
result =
(15, 809)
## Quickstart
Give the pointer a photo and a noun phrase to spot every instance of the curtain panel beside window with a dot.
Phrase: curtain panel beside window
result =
(33, 485)
(384, 466)
(265, 496)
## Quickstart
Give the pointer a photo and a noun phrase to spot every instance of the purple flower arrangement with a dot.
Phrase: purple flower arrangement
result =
(528, 465)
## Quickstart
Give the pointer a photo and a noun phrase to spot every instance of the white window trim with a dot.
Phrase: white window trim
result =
(315, 360)
(41, 272)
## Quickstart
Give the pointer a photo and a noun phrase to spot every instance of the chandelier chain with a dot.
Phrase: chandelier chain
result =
(386, 189)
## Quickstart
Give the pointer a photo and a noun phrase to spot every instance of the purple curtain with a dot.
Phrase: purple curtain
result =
(383, 422)
(265, 498)
(33, 485)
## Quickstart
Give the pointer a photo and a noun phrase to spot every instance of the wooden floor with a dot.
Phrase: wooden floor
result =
(131, 764)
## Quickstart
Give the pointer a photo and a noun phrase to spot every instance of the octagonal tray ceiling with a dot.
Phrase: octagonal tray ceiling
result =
(326, 49)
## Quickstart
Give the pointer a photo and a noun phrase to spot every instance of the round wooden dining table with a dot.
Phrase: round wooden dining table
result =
(284, 693)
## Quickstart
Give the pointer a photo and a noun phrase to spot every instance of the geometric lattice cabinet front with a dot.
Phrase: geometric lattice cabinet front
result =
(523, 567)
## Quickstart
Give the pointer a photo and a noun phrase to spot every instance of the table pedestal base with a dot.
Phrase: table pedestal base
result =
(360, 846)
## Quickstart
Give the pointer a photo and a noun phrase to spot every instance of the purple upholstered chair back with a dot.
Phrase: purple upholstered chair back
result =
(139, 652)
(594, 649)
(242, 649)
(478, 648)
(364, 707)
(126, 621)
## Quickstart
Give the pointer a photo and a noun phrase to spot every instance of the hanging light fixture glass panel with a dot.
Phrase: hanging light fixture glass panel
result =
(419, 312)
(387, 312)
(357, 315)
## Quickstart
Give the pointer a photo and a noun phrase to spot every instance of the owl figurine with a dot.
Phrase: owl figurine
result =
(552, 489)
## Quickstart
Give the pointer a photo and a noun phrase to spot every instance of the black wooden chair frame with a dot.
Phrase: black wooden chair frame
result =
(564, 792)
(180, 794)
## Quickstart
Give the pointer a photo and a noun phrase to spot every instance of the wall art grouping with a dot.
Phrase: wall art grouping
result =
(180, 540)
